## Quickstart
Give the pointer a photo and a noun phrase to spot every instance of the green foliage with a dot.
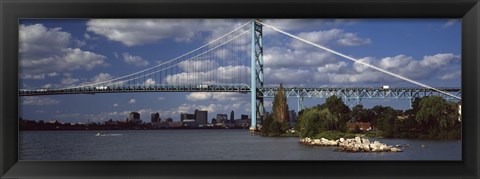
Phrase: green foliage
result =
(280, 106)
(314, 121)
(277, 123)
(272, 127)
(309, 123)
(436, 117)
(431, 118)
(336, 106)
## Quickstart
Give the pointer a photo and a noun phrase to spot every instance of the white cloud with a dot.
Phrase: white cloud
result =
(132, 32)
(38, 101)
(287, 76)
(134, 60)
(217, 96)
(324, 37)
(198, 66)
(69, 80)
(332, 67)
(161, 98)
(149, 81)
(199, 96)
(351, 39)
(451, 76)
(45, 51)
(115, 105)
(101, 77)
(281, 57)
(132, 101)
(53, 74)
(395, 62)
(425, 68)
(221, 75)
(359, 67)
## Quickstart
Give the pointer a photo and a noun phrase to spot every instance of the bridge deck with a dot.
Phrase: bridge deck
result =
(266, 92)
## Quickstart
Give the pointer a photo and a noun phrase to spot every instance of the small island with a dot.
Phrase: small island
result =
(334, 124)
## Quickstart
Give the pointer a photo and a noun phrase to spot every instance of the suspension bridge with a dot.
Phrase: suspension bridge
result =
(234, 63)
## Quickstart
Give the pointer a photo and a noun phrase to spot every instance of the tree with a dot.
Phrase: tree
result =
(277, 123)
(436, 114)
(313, 121)
(309, 122)
(280, 106)
(385, 119)
(336, 106)
(359, 114)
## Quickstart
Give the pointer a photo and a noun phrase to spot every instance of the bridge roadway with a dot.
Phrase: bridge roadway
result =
(266, 92)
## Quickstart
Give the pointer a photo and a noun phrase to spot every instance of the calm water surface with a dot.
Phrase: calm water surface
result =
(230, 144)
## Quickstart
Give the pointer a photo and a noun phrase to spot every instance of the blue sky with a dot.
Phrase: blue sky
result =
(57, 53)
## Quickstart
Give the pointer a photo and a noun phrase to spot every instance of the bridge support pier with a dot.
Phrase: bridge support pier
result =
(300, 103)
(256, 70)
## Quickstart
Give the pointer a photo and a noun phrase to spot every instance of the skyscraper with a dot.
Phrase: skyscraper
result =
(201, 117)
(134, 117)
(232, 117)
(222, 118)
(186, 116)
(155, 118)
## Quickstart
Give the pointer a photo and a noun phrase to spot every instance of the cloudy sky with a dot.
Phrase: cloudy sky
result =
(57, 53)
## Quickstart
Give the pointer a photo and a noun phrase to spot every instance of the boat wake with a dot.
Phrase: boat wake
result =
(107, 135)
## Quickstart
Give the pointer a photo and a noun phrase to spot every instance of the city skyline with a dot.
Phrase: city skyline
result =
(59, 53)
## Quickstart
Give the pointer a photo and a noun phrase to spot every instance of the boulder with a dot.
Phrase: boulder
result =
(358, 140)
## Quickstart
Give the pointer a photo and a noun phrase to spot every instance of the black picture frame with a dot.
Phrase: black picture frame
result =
(12, 10)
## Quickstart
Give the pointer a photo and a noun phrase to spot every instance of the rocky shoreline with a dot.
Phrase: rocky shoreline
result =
(356, 144)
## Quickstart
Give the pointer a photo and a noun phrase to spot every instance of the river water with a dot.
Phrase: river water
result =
(228, 144)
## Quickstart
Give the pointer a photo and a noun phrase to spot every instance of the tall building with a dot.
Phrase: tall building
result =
(134, 117)
(244, 117)
(221, 118)
(293, 116)
(155, 118)
(232, 117)
(201, 117)
(186, 116)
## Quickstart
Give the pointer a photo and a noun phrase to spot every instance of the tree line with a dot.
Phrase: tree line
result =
(431, 117)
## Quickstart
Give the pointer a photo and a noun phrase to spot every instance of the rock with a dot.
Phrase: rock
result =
(365, 141)
(358, 140)
(356, 144)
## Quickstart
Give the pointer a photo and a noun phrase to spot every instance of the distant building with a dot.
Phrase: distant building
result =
(242, 123)
(292, 115)
(169, 120)
(232, 117)
(189, 123)
(363, 126)
(221, 118)
(134, 117)
(155, 118)
(244, 117)
(201, 117)
(186, 116)
(175, 124)
(214, 121)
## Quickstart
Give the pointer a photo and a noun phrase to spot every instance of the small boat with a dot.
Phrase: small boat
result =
(423, 146)
(104, 135)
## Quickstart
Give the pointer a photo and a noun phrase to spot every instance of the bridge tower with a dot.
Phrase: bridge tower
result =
(257, 107)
